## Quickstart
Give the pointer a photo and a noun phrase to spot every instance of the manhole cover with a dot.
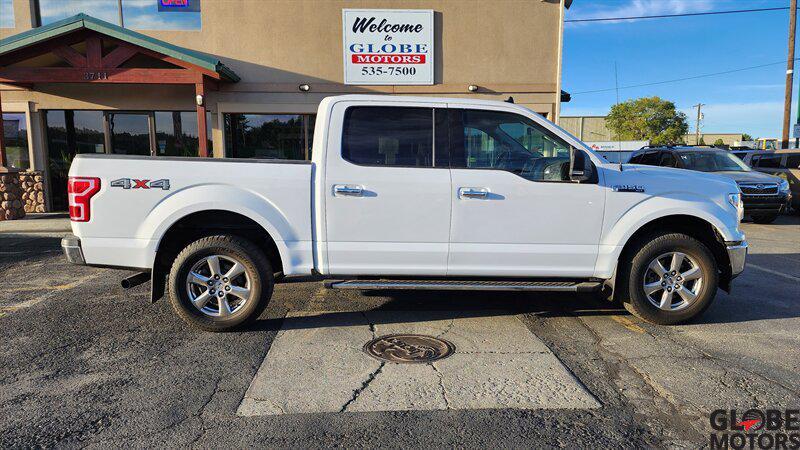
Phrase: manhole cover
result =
(409, 348)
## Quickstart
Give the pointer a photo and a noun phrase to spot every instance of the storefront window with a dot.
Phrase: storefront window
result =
(6, 13)
(176, 133)
(15, 134)
(136, 14)
(276, 136)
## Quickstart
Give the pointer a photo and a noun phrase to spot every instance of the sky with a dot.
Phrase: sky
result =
(138, 14)
(646, 51)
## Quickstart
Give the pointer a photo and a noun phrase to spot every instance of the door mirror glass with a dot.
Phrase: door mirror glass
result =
(581, 168)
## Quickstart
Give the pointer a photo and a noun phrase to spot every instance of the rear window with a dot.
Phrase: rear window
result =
(767, 161)
(388, 136)
(793, 161)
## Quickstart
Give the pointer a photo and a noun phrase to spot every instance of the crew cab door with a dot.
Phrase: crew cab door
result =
(387, 192)
(515, 210)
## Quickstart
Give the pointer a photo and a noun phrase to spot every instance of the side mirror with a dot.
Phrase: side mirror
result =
(581, 168)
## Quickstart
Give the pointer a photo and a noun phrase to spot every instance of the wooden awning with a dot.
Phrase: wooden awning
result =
(83, 49)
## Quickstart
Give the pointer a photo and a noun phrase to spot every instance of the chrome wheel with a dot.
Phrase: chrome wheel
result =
(218, 285)
(670, 274)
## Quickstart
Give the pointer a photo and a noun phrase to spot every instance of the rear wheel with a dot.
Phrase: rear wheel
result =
(671, 279)
(218, 283)
(764, 218)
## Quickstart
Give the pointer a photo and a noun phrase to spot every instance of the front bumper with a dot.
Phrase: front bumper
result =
(765, 203)
(71, 245)
(737, 254)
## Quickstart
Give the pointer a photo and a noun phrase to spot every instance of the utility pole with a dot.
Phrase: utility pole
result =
(119, 8)
(787, 100)
(697, 124)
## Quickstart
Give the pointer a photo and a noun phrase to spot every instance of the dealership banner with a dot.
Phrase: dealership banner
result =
(388, 46)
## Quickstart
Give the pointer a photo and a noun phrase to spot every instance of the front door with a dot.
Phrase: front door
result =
(515, 211)
(387, 202)
(130, 133)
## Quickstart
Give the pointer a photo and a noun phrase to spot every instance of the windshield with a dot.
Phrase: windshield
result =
(712, 162)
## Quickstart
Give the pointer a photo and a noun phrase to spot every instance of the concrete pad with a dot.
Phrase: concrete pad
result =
(316, 364)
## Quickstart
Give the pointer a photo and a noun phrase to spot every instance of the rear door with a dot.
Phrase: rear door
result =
(387, 192)
(515, 211)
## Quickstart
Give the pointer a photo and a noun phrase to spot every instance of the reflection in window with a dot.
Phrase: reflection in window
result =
(6, 13)
(15, 133)
(271, 136)
(70, 133)
(176, 133)
(136, 14)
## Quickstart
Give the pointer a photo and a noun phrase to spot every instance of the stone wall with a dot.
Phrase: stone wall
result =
(32, 191)
(10, 196)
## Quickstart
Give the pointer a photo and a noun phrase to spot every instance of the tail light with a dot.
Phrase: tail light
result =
(80, 191)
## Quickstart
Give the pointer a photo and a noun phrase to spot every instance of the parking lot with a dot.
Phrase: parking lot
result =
(84, 363)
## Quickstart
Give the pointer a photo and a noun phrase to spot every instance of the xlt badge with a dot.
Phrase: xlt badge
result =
(627, 188)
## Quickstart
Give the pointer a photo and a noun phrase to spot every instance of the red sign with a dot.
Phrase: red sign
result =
(372, 58)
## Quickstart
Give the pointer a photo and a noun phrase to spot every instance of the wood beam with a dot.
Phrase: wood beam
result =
(70, 55)
(3, 161)
(19, 75)
(94, 52)
(118, 56)
(202, 125)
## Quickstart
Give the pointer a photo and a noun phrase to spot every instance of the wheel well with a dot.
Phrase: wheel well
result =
(692, 226)
(207, 223)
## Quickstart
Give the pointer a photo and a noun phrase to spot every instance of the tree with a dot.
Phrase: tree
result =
(719, 143)
(746, 137)
(647, 118)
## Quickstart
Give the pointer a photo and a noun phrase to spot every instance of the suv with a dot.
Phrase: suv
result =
(764, 196)
(784, 164)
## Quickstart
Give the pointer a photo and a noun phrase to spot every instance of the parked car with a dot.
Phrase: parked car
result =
(745, 155)
(764, 196)
(784, 164)
(410, 193)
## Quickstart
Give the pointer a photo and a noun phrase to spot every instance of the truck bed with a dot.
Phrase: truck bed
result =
(140, 196)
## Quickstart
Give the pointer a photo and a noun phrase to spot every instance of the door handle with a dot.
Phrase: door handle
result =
(471, 192)
(348, 190)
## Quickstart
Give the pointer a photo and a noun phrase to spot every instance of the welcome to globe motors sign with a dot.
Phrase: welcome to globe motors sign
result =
(388, 46)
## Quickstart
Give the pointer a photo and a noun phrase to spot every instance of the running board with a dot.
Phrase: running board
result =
(530, 286)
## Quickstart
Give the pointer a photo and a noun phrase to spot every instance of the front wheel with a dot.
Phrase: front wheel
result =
(672, 279)
(218, 283)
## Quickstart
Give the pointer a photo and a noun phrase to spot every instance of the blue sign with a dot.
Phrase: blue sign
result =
(178, 5)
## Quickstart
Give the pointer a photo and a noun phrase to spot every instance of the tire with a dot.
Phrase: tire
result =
(244, 295)
(764, 218)
(639, 268)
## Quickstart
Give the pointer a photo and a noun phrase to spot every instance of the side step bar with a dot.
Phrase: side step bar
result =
(530, 286)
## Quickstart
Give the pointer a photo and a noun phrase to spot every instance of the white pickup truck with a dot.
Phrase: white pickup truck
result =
(411, 193)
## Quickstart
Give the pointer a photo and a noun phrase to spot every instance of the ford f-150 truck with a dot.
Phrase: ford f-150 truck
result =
(411, 193)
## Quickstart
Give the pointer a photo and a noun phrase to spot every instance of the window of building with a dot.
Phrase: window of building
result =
(271, 136)
(388, 136)
(176, 133)
(505, 141)
(15, 134)
(135, 14)
(6, 13)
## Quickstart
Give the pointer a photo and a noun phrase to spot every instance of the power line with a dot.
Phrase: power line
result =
(682, 79)
(663, 16)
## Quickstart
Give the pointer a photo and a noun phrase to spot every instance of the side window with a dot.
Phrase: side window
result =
(388, 136)
(483, 139)
(667, 160)
(768, 161)
(793, 161)
(649, 158)
(636, 159)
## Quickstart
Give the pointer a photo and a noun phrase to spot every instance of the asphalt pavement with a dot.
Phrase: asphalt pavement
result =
(87, 364)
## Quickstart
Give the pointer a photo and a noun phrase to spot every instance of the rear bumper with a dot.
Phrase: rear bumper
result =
(71, 245)
(737, 254)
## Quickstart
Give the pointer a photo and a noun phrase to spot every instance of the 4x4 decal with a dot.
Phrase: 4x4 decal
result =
(133, 183)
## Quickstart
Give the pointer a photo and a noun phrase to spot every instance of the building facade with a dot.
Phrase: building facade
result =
(250, 72)
(593, 128)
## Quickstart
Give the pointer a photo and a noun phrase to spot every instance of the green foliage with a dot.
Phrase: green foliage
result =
(702, 141)
(647, 118)
(718, 143)
(746, 137)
